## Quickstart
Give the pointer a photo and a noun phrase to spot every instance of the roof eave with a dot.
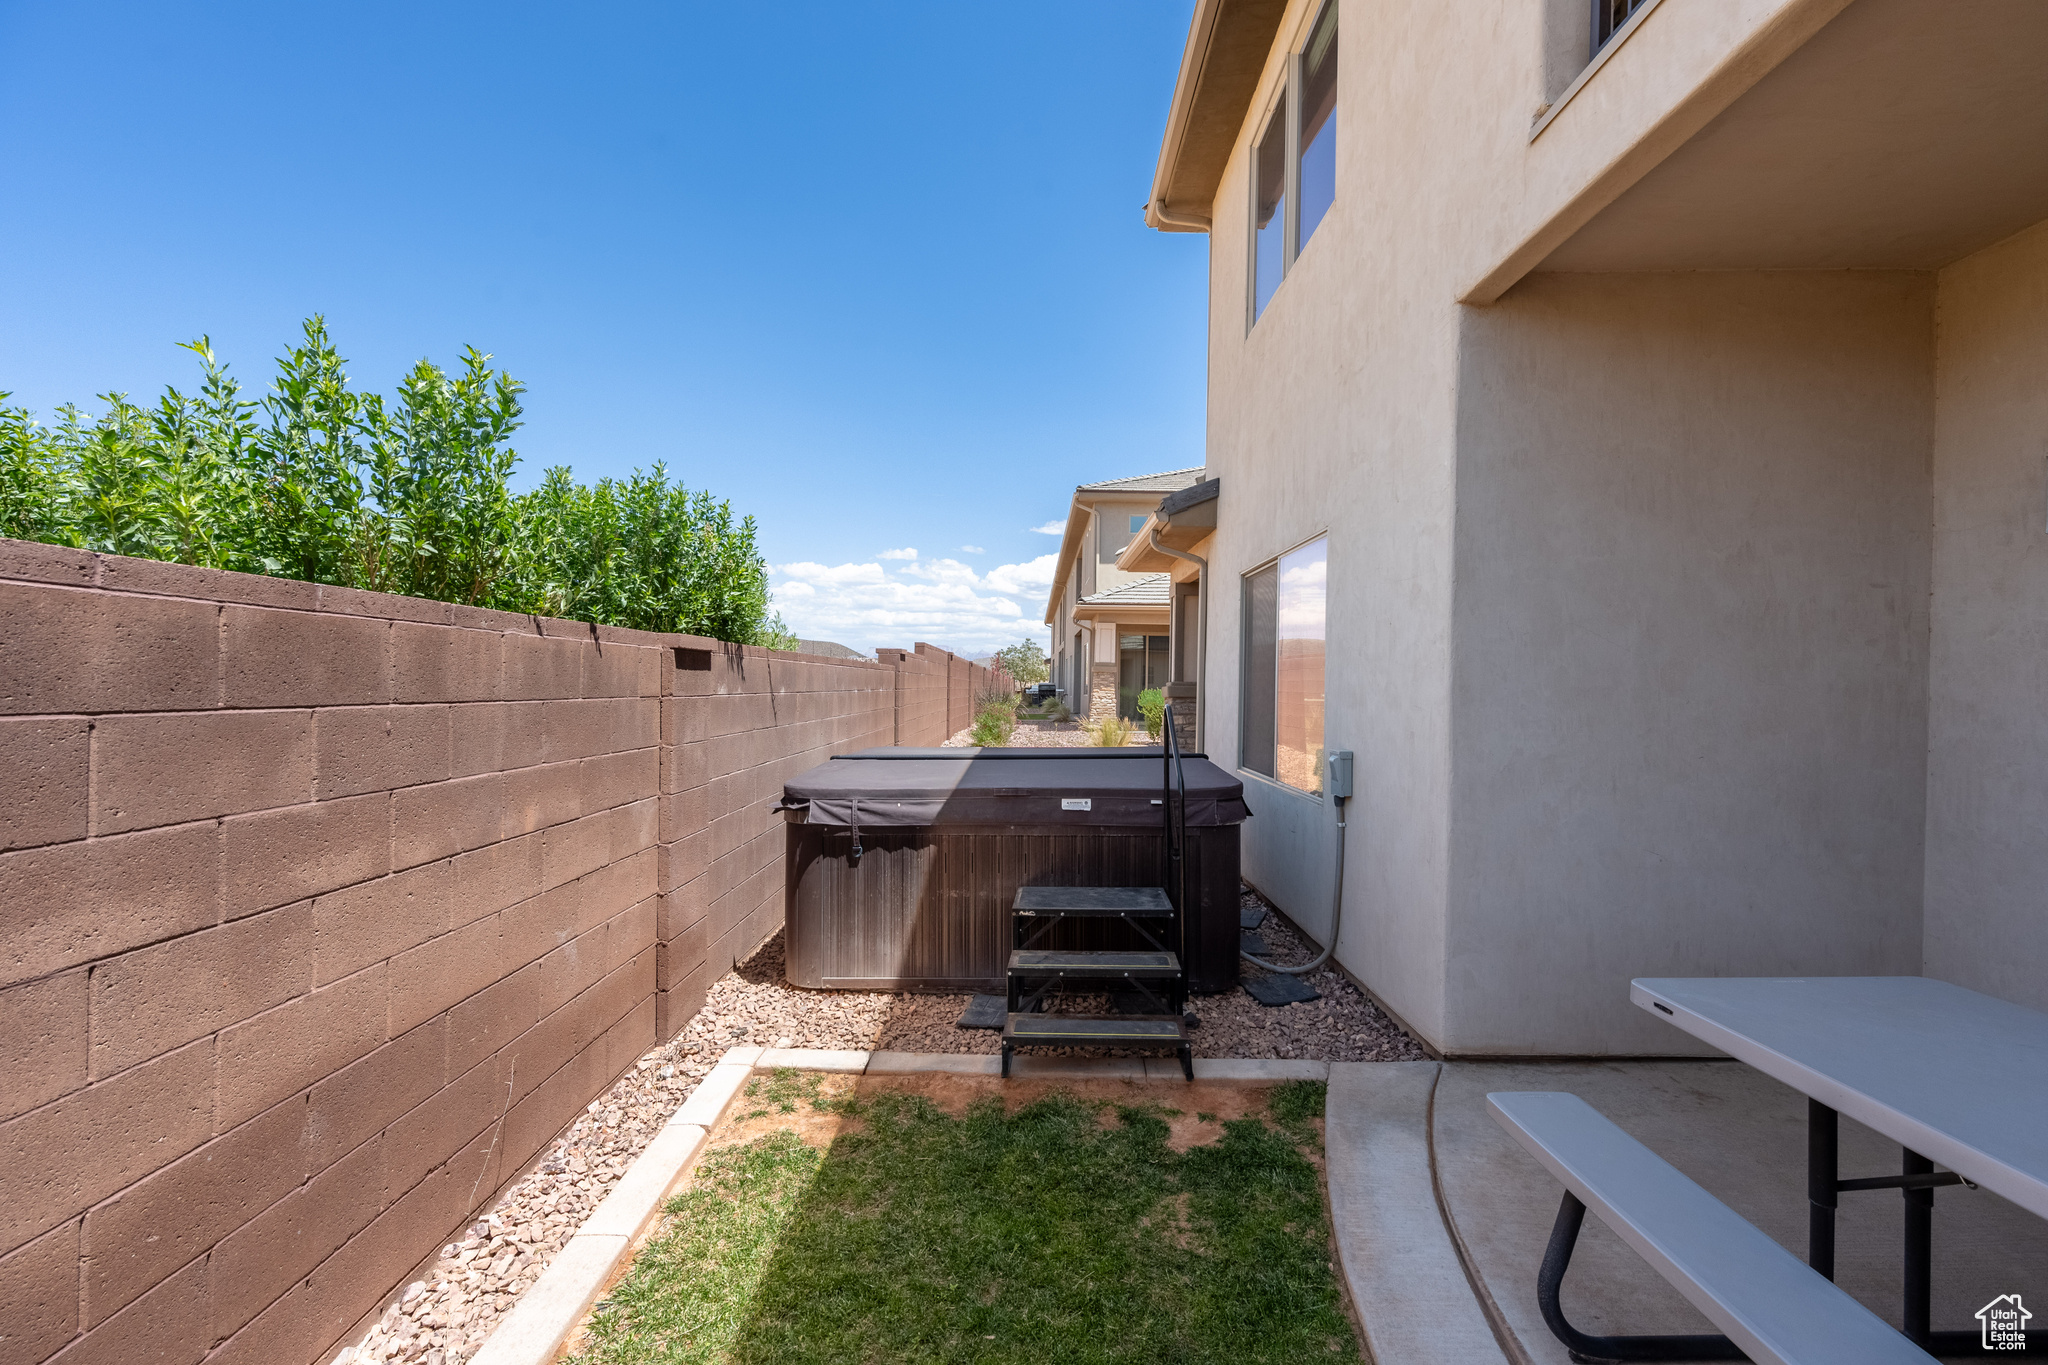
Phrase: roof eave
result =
(1225, 54)
(1070, 550)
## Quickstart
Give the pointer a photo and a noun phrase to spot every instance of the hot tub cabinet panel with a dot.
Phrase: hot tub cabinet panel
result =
(926, 906)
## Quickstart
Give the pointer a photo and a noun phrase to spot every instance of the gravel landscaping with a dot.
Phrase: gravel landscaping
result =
(445, 1316)
(1044, 734)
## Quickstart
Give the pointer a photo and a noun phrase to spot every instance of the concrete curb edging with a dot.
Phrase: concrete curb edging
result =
(533, 1332)
(1405, 1278)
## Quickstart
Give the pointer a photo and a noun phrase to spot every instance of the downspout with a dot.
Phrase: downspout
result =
(1202, 644)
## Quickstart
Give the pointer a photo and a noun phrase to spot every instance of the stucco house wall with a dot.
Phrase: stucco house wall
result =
(1629, 574)
(1689, 691)
(1987, 797)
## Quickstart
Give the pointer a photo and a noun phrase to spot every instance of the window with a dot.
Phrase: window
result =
(1294, 162)
(1136, 524)
(1269, 210)
(1609, 16)
(1284, 608)
(1141, 663)
(1317, 170)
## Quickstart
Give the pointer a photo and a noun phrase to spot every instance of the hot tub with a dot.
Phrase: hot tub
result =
(946, 836)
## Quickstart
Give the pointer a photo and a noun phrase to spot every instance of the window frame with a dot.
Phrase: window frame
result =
(1603, 50)
(1283, 100)
(1244, 596)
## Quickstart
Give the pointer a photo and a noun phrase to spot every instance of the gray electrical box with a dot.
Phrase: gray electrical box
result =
(1337, 774)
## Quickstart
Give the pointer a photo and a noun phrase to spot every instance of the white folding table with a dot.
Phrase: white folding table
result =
(1954, 1077)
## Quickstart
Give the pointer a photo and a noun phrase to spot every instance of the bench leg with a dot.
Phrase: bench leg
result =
(1564, 1236)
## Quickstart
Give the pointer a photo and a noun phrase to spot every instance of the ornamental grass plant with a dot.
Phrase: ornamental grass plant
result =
(1108, 732)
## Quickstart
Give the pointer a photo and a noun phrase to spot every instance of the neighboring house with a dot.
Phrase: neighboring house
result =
(1173, 542)
(1647, 414)
(1109, 624)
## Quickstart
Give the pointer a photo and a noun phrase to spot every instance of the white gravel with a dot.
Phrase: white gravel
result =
(444, 1318)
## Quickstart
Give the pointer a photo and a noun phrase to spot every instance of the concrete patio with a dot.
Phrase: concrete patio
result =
(1425, 1185)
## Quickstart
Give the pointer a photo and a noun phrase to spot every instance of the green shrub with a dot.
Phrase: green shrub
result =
(995, 719)
(322, 482)
(1152, 706)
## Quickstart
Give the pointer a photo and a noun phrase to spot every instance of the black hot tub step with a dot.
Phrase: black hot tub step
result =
(1148, 902)
(1092, 1030)
(1027, 962)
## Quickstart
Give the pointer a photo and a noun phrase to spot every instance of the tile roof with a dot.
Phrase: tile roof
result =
(1170, 481)
(1153, 590)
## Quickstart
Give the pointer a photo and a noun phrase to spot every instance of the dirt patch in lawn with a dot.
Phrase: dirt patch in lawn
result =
(1194, 1111)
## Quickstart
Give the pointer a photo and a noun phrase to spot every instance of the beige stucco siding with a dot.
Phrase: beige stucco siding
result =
(1334, 414)
(1685, 623)
(1987, 804)
(1691, 643)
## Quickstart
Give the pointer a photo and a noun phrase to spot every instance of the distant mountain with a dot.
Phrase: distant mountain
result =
(830, 649)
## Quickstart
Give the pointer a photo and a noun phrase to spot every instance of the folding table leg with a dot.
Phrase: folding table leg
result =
(1823, 1158)
(1917, 1316)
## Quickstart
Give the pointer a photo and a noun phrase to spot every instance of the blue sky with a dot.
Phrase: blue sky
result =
(877, 273)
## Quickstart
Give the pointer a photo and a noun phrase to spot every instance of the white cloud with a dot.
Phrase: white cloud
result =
(943, 571)
(972, 550)
(832, 575)
(905, 553)
(942, 601)
(1031, 578)
(1052, 528)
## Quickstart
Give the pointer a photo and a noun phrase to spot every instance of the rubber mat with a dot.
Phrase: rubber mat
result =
(1279, 989)
(984, 1011)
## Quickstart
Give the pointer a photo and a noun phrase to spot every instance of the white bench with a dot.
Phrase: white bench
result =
(1773, 1307)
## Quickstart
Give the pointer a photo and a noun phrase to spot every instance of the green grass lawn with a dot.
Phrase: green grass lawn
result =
(1065, 1232)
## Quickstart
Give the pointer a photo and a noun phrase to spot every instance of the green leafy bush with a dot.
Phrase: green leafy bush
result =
(1152, 706)
(322, 482)
(995, 719)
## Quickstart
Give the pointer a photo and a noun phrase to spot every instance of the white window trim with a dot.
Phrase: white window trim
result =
(1289, 86)
(1621, 35)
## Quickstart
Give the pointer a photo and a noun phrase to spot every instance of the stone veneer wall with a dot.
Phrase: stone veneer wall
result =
(1102, 691)
(322, 912)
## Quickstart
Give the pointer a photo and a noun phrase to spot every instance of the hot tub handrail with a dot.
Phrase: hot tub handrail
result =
(1175, 811)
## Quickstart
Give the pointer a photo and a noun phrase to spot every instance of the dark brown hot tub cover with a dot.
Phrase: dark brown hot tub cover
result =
(876, 788)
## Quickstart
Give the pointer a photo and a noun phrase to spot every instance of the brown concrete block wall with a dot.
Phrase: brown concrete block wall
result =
(324, 911)
(920, 704)
(737, 724)
(959, 694)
